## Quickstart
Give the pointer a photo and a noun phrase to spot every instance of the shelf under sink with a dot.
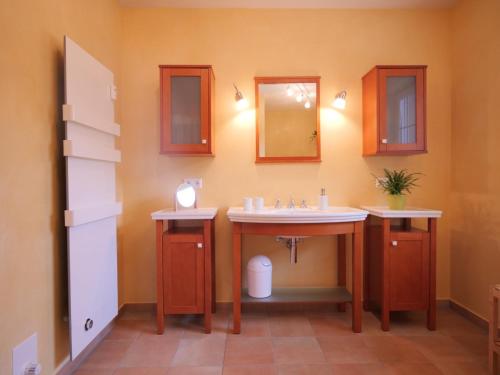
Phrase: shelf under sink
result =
(300, 295)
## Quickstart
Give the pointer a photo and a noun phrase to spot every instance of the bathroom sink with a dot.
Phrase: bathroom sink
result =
(296, 215)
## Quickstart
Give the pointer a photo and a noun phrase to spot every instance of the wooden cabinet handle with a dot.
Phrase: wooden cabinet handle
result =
(394, 243)
(199, 245)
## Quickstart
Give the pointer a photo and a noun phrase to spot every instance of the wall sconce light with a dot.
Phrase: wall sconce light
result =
(241, 102)
(340, 100)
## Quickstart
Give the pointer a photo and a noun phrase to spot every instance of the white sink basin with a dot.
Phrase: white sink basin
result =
(297, 215)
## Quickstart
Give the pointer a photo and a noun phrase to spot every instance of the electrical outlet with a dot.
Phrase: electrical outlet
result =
(196, 182)
(24, 354)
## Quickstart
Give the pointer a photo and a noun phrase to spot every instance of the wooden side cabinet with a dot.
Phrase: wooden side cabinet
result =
(400, 263)
(187, 103)
(394, 110)
(185, 268)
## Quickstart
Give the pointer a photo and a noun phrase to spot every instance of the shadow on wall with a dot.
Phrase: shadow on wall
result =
(60, 326)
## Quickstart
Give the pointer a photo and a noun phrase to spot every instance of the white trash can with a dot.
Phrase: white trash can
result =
(259, 276)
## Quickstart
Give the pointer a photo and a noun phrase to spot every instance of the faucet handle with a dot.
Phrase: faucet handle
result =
(303, 204)
(291, 204)
(277, 204)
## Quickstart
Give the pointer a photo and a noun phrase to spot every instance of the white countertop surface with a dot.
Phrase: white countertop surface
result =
(409, 212)
(185, 214)
(296, 215)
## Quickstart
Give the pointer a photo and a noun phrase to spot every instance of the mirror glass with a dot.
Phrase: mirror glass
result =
(287, 119)
(401, 115)
(185, 196)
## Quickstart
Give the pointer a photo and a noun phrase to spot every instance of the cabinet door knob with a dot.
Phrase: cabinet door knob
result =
(204, 141)
(394, 243)
(384, 141)
(199, 245)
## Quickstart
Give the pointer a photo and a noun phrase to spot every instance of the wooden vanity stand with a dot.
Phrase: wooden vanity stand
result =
(352, 225)
(400, 263)
(185, 264)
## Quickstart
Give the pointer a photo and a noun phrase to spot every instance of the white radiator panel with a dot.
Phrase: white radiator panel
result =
(91, 211)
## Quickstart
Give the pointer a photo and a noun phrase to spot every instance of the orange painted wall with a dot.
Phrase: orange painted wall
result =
(33, 292)
(338, 45)
(475, 197)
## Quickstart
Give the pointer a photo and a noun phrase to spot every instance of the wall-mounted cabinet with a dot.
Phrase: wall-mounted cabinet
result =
(394, 110)
(187, 109)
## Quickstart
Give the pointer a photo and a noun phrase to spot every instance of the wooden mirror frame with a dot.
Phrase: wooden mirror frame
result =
(288, 159)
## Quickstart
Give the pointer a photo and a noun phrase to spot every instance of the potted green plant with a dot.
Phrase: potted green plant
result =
(397, 183)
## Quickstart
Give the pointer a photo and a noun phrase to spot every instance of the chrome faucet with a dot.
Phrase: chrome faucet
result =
(303, 204)
(291, 204)
(277, 204)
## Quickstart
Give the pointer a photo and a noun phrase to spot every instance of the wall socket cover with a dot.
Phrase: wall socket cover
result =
(197, 182)
(24, 354)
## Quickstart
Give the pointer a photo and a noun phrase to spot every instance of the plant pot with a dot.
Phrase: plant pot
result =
(396, 202)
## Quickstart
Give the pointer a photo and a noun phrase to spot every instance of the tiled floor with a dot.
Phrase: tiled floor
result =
(290, 343)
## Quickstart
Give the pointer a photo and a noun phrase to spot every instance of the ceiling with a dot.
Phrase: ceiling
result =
(297, 4)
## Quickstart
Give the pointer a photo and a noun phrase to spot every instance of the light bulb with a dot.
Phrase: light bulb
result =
(299, 98)
(289, 91)
(307, 104)
(241, 104)
(339, 103)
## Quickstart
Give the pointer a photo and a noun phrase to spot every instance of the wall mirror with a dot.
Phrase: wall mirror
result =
(185, 196)
(287, 116)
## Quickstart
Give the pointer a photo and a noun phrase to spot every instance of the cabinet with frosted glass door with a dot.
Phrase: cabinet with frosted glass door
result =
(186, 109)
(394, 110)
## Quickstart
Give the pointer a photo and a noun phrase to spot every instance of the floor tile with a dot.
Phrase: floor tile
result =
(94, 372)
(441, 348)
(347, 349)
(301, 350)
(403, 368)
(131, 329)
(304, 370)
(462, 367)
(274, 343)
(207, 351)
(248, 350)
(255, 325)
(395, 349)
(250, 370)
(195, 370)
(289, 324)
(150, 351)
(360, 369)
(107, 355)
(141, 371)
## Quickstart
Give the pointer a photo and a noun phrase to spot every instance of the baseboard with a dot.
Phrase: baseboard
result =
(68, 367)
(137, 307)
(469, 315)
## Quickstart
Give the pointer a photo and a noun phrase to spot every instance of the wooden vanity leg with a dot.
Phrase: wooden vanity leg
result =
(431, 311)
(208, 275)
(384, 311)
(236, 277)
(341, 267)
(357, 248)
(366, 266)
(160, 317)
(212, 237)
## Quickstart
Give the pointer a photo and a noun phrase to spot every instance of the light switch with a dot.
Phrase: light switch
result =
(197, 183)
